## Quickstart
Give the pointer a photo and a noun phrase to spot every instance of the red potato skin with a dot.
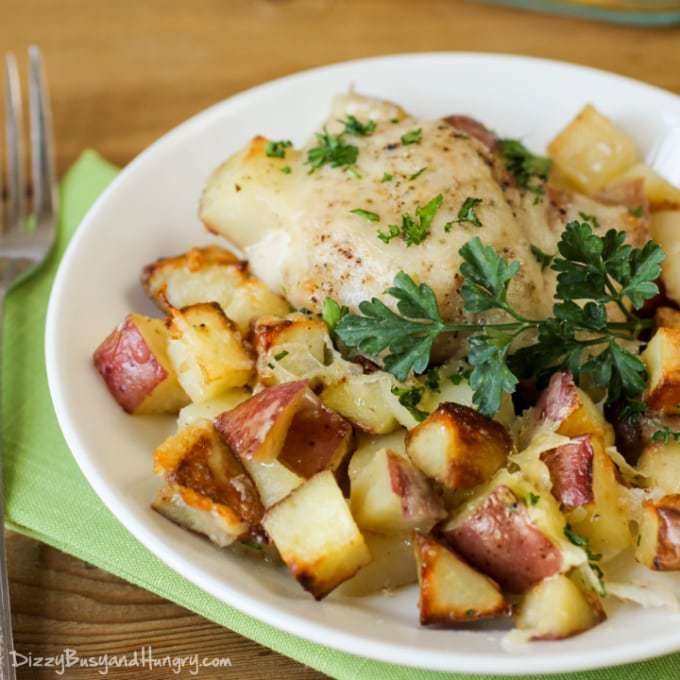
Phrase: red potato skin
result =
(571, 472)
(128, 366)
(418, 500)
(246, 427)
(314, 438)
(668, 553)
(559, 399)
(474, 129)
(500, 540)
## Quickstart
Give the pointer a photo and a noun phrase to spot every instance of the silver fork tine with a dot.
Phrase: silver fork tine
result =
(42, 144)
(14, 147)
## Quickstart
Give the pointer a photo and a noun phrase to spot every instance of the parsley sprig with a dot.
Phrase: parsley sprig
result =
(466, 214)
(414, 230)
(331, 150)
(592, 269)
(529, 171)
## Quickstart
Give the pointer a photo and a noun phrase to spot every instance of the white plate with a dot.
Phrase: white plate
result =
(150, 210)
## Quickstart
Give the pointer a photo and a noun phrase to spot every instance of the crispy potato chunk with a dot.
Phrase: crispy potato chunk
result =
(390, 495)
(366, 403)
(257, 428)
(451, 591)
(274, 481)
(211, 274)
(556, 609)
(662, 359)
(665, 230)
(591, 151)
(368, 445)
(458, 446)
(205, 349)
(500, 539)
(317, 536)
(213, 407)
(660, 463)
(134, 363)
(660, 193)
(659, 538)
(393, 565)
(207, 490)
(667, 317)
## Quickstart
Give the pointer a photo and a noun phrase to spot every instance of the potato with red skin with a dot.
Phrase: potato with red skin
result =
(571, 472)
(134, 363)
(390, 495)
(662, 360)
(499, 538)
(659, 538)
(458, 446)
(206, 488)
(257, 428)
(318, 439)
(451, 591)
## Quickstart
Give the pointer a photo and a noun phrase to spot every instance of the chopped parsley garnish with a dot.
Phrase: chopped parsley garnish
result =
(277, 149)
(412, 137)
(332, 312)
(636, 212)
(532, 498)
(542, 258)
(598, 271)
(414, 230)
(409, 398)
(415, 175)
(586, 217)
(665, 434)
(632, 411)
(331, 150)
(460, 375)
(581, 542)
(466, 214)
(529, 171)
(366, 214)
(354, 127)
(470, 613)
(286, 170)
(433, 379)
(387, 177)
(281, 355)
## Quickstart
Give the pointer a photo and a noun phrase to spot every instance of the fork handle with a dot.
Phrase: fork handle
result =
(7, 669)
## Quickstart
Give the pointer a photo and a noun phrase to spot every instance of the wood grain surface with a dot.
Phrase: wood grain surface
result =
(122, 73)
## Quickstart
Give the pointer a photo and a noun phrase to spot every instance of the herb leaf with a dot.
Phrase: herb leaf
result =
(354, 127)
(467, 212)
(277, 149)
(412, 137)
(409, 398)
(542, 258)
(414, 230)
(332, 312)
(529, 171)
(366, 214)
(415, 175)
(331, 150)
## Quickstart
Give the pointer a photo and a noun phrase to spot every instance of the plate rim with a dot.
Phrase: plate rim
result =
(295, 624)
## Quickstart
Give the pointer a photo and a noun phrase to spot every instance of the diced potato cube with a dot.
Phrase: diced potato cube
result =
(251, 300)
(458, 446)
(134, 363)
(273, 480)
(212, 408)
(557, 608)
(369, 444)
(206, 351)
(257, 428)
(591, 151)
(451, 591)
(659, 538)
(393, 565)
(660, 464)
(390, 495)
(364, 401)
(317, 536)
(665, 230)
(667, 317)
(659, 192)
(662, 359)
(207, 490)
(571, 472)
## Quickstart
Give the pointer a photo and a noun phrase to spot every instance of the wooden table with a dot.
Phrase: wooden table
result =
(123, 73)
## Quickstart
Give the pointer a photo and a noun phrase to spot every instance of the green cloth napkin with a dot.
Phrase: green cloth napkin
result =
(49, 499)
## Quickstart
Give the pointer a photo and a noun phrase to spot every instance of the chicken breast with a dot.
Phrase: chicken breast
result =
(301, 237)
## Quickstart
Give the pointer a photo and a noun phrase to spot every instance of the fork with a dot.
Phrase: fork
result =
(24, 244)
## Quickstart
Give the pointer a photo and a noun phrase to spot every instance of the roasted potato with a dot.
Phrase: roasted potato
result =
(659, 538)
(390, 495)
(318, 439)
(206, 488)
(665, 230)
(458, 446)
(662, 360)
(211, 274)
(660, 193)
(365, 401)
(451, 591)
(206, 351)
(368, 445)
(591, 151)
(257, 428)
(667, 317)
(557, 608)
(213, 407)
(134, 363)
(393, 565)
(660, 464)
(274, 481)
(316, 535)
(571, 472)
